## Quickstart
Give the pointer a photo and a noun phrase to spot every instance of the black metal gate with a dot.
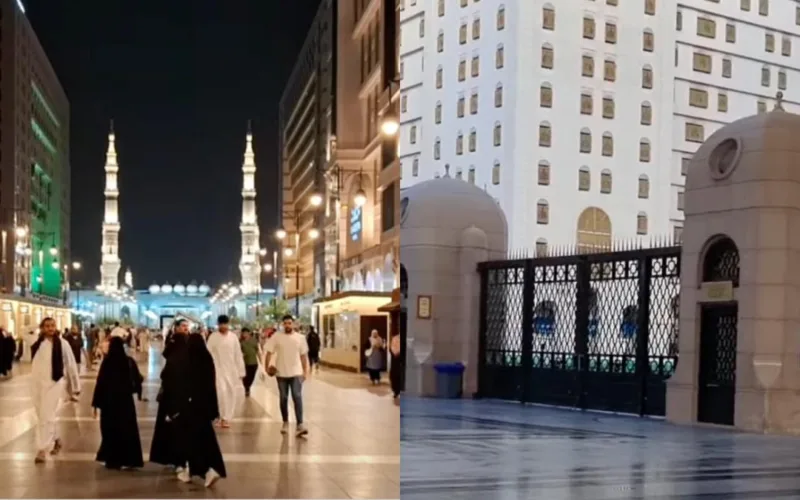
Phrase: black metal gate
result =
(716, 395)
(594, 331)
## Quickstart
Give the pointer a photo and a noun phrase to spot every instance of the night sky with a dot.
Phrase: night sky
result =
(180, 78)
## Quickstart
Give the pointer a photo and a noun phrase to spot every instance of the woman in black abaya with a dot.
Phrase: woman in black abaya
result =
(113, 397)
(164, 448)
(193, 407)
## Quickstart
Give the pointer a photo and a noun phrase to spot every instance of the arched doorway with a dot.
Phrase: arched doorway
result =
(716, 395)
(593, 231)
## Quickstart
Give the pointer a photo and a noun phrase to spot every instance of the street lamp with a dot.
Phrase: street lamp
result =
(313, 233)
(360, 198)
(53, 251)
(288, 252)
(316, 199)
(390, 125)
(21, 231)
(280, 234)
(76, 266)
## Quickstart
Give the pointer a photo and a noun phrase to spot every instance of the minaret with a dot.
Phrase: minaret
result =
(109, 269)
(249, 265)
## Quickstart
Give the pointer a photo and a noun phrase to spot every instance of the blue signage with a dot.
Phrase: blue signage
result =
(355, 224)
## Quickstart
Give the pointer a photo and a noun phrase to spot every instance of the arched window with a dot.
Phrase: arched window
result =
(644, 187)
(471, 175)
(496, 173)
(460, 143)
(473, 140)
(543, 174)
(498, 96)
(584, 179)
(499, 57)
(542, 212)
(548, 17)
(545, 135)
(594, 230)
(498, 134)
(646, 117)
(648, 40)
(546, 95)
(541, 247)
(501, 18)
(586, 141)
(437, 113)
(415, 167)
(608, 144)
(437, 149)
(605, 181)
(647, 77)
(548, 56)
(641, 223)
(644, 151)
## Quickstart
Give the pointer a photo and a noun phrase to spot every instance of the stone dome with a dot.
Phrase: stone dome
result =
(450, 205)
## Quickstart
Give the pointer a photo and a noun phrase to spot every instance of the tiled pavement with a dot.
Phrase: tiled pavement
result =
(476, 450)
(352, 450)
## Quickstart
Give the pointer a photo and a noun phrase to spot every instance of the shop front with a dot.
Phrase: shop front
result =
(345, 322)
(397, 327)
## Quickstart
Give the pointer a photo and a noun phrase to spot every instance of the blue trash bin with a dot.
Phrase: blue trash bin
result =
(449, 380)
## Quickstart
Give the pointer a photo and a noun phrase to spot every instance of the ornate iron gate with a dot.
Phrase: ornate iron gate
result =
(594, 331)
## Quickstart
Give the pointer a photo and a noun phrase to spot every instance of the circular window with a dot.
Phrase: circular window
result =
(724, 158)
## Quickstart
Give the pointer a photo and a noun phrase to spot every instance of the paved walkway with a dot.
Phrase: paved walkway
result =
(352, 451)
(465, 450)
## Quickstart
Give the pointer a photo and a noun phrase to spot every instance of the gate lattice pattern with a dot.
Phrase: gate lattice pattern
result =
(595, 331)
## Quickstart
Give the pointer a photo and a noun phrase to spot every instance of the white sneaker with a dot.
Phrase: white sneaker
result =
(301, 431)
(211, 477)
(285, 428)
(184, 477)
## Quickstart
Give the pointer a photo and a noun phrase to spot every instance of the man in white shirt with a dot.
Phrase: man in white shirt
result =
(291, 368)
(229, 367)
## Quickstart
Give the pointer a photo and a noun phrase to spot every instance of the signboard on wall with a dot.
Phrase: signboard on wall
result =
(355, 223)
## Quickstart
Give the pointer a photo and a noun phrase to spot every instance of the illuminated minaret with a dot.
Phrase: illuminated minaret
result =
(109, 268)
(249, 265)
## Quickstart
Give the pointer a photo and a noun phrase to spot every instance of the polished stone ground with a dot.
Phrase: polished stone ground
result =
(475, 450)
(352, 450)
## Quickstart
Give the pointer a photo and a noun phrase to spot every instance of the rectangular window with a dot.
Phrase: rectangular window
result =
(744, 5)
(765, 77)
(769, 42)
(611, 33)
(730, 33)
(588, 28)
(706, 27)
(782, 80)
(586, 104)
(610, 71)
(549, 19)
(647, 78)
(646, 113)
(702, 62)
(547, 57)
(476, 66)
(694, 132)
(608, 108)
(761, 107)
(698, 98)
(722, 102)
(786, 46)
(545, 97)
(587, 66)
(727, 68)
(685, 165)
(650, 7)
(763, 7)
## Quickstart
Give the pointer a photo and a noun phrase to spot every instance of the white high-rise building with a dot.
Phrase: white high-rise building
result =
(249, 263)
(110, 266)
(577, 115)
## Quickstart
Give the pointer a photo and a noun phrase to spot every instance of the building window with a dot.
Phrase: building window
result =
(608, 108)
(694, 132)
(647, 77)
(586, 141)
(782, 80)
(464, 3)
(612, 2)
(644, 187)
(499, 57)
(460, 144)
(501, 18)
(412, 135)
(588, 28)
(698, 98)
(608, 144)
(677, 235)
(439, 77)
(471, 175)
(475, 66)
(415, 168)
(722, 102)
(648, 41)
(498, 96)
(644, 151)
(727, 68)
(473, 103)
(586, 103)
(701, 62)
(462, 70)
(437, 149)
(765, 77)
(611, 33)
(680, 201)
(679, 21)
(646, 114)
(706, 27)
(587, 66)
(548, 18)
(547, 56)
(730, 33)
(496, 173)
(476, 28)
(541, 247)
(650, 7)
(605, 181)
(769, 42)
(584, 179)
(542, 212)
(545, 95)
(641, 223)
(763, 7)
(761, 106)
(609, 71)
(440, 42)
(459, 174)
(543, 174)
(685, 165)
(460, 105)
(437, 113)
(404, 104)
(422, 28)
(462, 34)
(440, 9)
(497, 136)
(744, 5)
(545, 135)
(473, 140)
(786, 46)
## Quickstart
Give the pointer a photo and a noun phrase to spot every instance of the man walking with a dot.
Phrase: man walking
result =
(250, 354)
(229, 367)
(291, 368)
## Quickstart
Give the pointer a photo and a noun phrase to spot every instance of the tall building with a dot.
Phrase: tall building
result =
(249, 264)
(34, 161)
(364, 174)
(110, 264)
(579, 118)
(306, 121)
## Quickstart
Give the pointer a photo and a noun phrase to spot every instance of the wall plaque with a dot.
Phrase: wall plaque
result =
(716, 291)
(424, 306)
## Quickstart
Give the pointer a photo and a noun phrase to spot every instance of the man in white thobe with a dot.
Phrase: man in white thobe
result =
(229, 367)
(53, 380)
